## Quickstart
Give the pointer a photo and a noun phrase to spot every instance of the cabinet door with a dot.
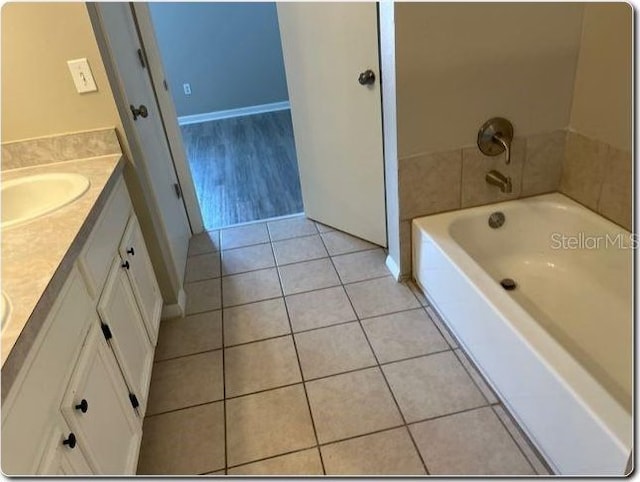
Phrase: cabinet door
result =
(99, 413)
(143, 279)
(61, 459)
(119, 311)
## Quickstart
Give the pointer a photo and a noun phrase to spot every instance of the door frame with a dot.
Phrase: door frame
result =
(149, 45)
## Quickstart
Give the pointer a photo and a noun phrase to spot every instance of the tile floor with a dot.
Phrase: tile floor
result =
(301, 355)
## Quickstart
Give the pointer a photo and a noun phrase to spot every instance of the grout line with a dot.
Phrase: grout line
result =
(473, 379)
(304, 387)
(224, 378)
(383, 375)
(274, 457)
(210, 402)
(177, 357)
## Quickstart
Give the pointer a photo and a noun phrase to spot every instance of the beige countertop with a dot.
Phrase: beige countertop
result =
(37, 256)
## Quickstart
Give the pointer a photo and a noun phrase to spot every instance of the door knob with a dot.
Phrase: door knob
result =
(367, 77)
(139, 112)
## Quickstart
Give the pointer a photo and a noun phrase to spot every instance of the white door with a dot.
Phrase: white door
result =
(337, 122)
(117, 21)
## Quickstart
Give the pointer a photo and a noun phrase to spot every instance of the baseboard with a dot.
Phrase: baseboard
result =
(393, 267)
(239, 112)
(176, 310)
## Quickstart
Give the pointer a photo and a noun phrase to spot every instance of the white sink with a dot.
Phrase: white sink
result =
(30, 197)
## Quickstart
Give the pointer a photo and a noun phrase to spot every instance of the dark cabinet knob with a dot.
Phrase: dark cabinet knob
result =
(131, 251)
(367, 77)
(83, 406)
(139, 112)
(126, 265)
(70, 440)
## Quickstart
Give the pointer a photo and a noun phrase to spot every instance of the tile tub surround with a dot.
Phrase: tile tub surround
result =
(599, 176)
(38, 256)
(318, 379)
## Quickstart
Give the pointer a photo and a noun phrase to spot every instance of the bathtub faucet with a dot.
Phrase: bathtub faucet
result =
(496, 178)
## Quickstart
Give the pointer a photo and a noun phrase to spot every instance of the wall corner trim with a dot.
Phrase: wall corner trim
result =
(176, 310)
(227, 114)
(393, 267)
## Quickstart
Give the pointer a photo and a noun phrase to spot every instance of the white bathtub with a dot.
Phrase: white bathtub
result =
(558, 348)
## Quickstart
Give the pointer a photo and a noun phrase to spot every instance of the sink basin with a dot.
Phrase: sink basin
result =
(30, 197)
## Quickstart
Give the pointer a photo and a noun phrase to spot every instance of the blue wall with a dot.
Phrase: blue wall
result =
(230, 53)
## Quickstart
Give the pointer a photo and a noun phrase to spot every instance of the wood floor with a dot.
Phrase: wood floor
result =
(244, 168)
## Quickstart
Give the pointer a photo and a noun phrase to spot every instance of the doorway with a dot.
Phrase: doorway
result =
(224, 67)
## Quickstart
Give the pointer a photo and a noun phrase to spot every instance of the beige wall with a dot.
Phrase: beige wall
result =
(602, 96)
(38, 94)
(459, 64)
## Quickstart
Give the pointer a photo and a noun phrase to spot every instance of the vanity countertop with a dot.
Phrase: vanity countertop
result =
(37, 256)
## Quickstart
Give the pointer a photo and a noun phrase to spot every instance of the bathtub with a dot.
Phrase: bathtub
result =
(557, 349)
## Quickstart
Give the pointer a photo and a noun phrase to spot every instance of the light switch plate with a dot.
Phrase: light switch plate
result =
(82, 76)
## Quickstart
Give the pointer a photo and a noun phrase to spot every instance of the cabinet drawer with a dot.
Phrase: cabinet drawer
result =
(34, 399)
(99, 413)
(60, 459)
(102, 245)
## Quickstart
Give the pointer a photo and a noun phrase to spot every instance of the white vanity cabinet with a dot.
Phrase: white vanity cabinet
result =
(98, 412)
(77, 403)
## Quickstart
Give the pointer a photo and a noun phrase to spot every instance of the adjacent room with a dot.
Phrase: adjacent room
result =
(225, 71)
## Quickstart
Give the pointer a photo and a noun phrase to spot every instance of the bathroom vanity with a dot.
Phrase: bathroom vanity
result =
(78, 343)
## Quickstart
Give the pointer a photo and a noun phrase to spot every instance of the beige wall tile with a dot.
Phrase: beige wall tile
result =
(543, 164)
(475, 166)
(584, 167)
(616, 199)
(429, 183)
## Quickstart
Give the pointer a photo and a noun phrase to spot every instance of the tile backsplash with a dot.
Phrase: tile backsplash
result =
(595, 174)
(64, 147)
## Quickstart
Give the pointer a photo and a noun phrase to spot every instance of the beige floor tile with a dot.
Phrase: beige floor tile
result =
(323, 228)
(444, 330)
(431, 386)
(361, 266)
(202, 296)
(260, 366)
(189, 335)
(239, 289)
(244, 236)
(216, 473)
(306, 462)
(296, 250)
(250, 258)
(476, 377)
(307, 276)
(351, 404)
(291, 228)
(415, 289)
(319, 308)
(403, 335)
(186, 381)
(255, 321)
(385, 453)
(380, 296)
(332, 350)
(529, 452)
(202, 266)
(185, 442)
(469, 443)
(338, 242)
(267, 424)
(206, 242)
